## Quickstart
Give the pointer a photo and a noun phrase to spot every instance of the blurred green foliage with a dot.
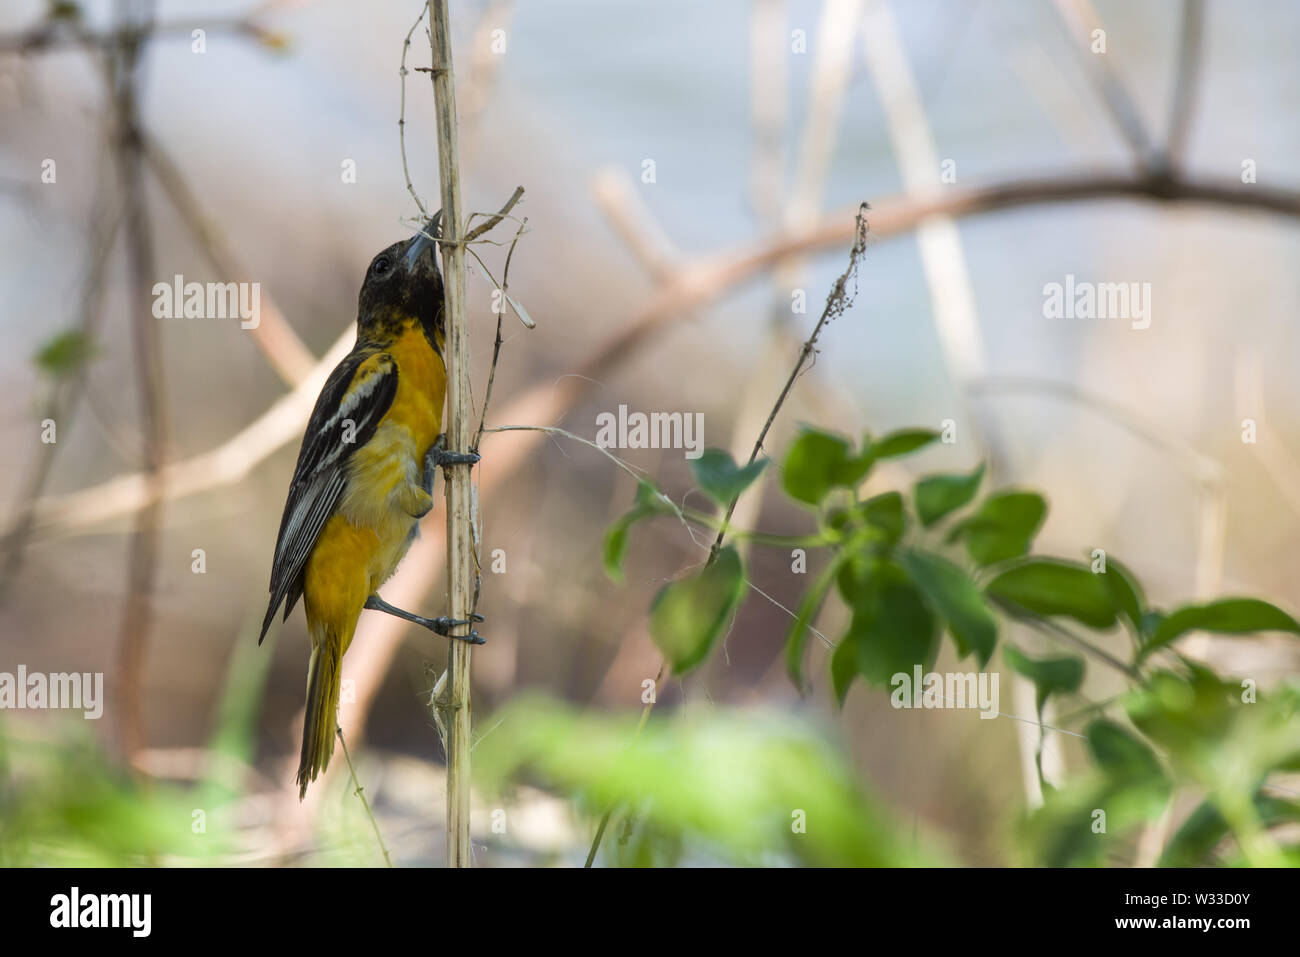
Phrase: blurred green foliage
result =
(65, 354)
(910, 568)
(727, 786)
(63, 804)
(1182, 746)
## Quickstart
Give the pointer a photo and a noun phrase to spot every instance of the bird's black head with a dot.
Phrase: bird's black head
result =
(402, 286)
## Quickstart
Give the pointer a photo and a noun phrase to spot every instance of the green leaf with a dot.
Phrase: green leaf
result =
(1048, 586)
(1125, 592)
(902, 442)
(892, 630)
(1195, 840)
(857, 576)
(688, 616)
(1003, 527)
(797, 639)
(649, 496)
(885, 513)
(718, 475)
(1049, 675)
(854, 468)
(1151, 620)
(1123, 756)
(616, 542)
(844, 668)
(814, 465)
(955, 597)
(649, 501)
(65, 353)
(1186, 714)
(937, 495)
(1229, 616)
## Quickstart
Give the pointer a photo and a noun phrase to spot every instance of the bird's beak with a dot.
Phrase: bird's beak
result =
(421, 244)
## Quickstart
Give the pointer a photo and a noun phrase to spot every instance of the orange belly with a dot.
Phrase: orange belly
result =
(361, 545)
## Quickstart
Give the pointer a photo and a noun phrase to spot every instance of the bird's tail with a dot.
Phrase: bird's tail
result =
(318, 730)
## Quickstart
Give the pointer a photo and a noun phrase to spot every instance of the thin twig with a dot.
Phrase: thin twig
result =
(401, 116)
(556, 430)
(496, 345)
(492, 220)
(360, 793)
(837, 302)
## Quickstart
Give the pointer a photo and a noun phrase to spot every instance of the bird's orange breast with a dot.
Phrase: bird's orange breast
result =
(370, 532)
(421, 388)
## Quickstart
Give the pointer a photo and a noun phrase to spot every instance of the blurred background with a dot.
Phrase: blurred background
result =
(689, 170)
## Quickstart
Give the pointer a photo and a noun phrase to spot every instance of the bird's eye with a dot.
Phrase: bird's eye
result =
(381, 266)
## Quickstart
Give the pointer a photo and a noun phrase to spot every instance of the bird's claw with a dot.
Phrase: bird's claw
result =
(438, 455)
(442, 625)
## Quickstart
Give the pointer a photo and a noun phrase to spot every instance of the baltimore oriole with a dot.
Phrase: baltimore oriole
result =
(364, 476)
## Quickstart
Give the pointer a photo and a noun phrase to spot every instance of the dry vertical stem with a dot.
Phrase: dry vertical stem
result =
(142, 563)
(461, 560)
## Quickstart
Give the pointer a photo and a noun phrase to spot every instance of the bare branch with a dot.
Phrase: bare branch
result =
(492, 221)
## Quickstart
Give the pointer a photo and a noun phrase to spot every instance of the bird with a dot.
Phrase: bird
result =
(364, 477)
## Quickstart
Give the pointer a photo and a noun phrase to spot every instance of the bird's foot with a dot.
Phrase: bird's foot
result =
(439, 457)
(441, 625)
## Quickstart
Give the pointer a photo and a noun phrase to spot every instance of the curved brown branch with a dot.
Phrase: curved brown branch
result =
(693, 286)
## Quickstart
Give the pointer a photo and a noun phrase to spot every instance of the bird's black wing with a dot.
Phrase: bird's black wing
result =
(355, 398)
